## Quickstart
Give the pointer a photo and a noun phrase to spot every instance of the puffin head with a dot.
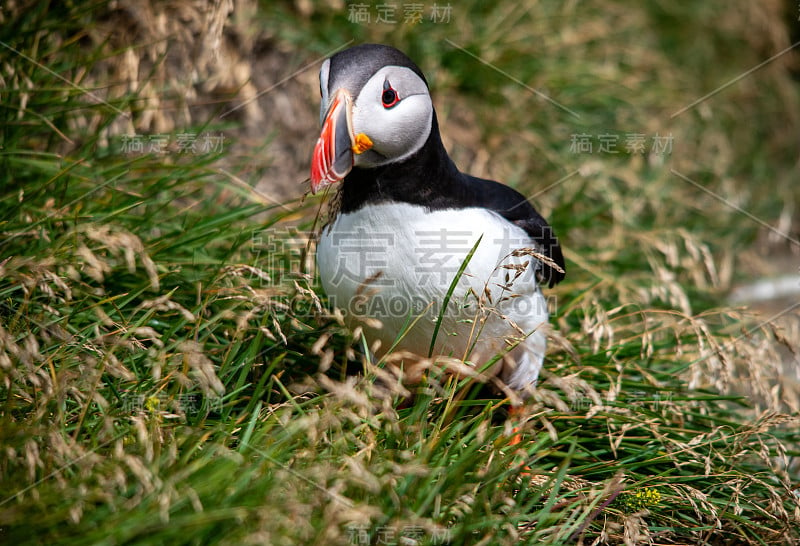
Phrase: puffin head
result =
(376, 109)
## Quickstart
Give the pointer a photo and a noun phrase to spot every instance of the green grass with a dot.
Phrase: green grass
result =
(169, 372)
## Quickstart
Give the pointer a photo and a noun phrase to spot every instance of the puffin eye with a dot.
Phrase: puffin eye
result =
(389, 96)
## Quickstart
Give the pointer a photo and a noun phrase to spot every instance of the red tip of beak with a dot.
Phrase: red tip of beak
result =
(333, 154)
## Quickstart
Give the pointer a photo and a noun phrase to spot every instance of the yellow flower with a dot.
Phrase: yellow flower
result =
(642, 499)
(152, 404)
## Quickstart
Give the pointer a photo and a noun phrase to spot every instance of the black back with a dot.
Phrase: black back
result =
(430, 179)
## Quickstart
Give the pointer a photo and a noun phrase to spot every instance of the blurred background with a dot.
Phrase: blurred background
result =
(148, 147)
(662, 118)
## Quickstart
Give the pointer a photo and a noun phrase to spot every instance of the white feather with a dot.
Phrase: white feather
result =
(399, 131)
(395, 261)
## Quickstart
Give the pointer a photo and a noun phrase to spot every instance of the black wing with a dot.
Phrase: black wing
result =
(513, 206)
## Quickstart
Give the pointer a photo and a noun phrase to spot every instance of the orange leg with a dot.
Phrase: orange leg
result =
(516, 438)
(515, 411)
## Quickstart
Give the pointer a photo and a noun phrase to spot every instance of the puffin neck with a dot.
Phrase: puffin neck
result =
(428, 178)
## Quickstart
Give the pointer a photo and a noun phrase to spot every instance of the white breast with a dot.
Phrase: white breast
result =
(395, 262)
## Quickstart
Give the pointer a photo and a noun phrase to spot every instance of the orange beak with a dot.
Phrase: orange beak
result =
(334, 152)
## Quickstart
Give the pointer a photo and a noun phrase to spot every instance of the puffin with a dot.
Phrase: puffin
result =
(428, 260)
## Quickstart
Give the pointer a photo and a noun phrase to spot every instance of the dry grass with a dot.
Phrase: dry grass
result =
(169, 371)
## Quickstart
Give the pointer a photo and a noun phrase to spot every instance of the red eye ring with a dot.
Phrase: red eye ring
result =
(389, 97)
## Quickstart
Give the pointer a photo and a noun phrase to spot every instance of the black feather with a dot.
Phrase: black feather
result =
(430, 179)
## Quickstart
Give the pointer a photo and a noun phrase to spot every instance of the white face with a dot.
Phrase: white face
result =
(393, 109)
